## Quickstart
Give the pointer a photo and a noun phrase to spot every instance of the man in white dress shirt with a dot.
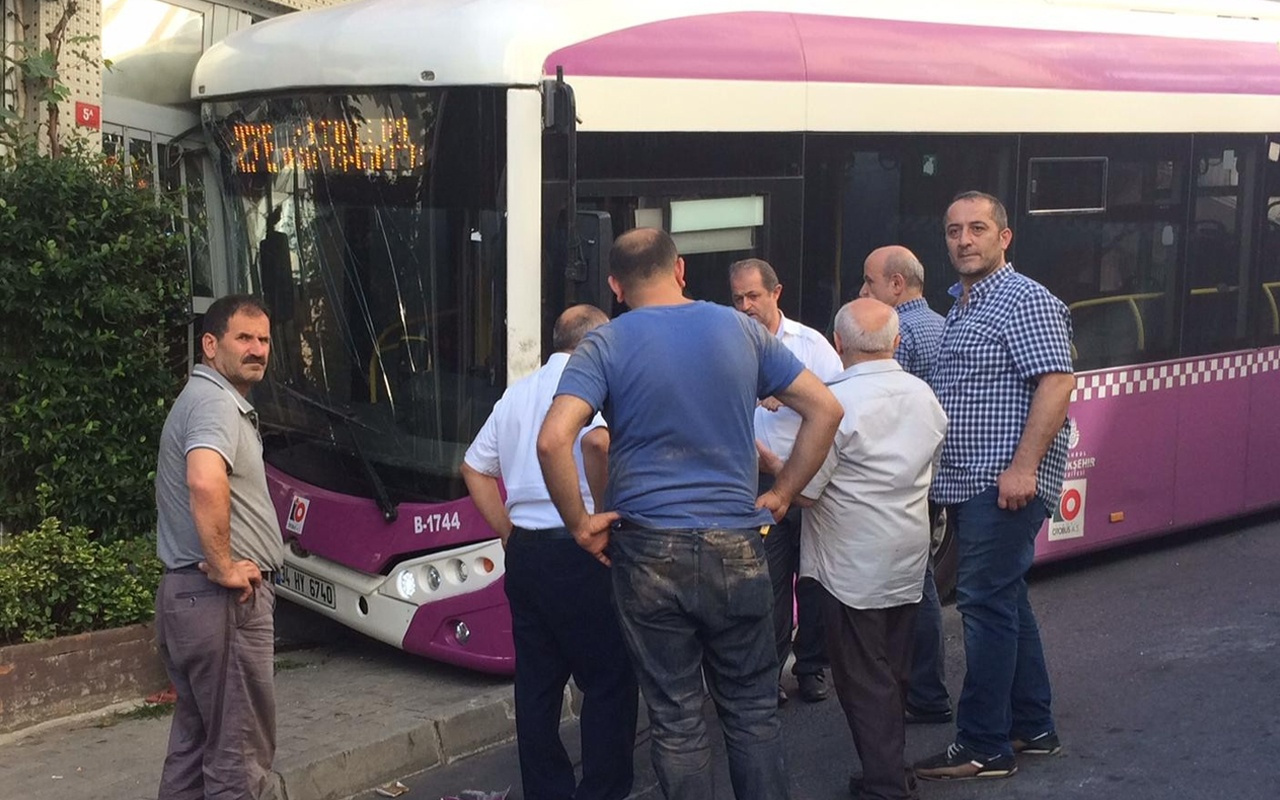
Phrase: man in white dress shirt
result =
(756, 291)
(866, 536)
(562, 614)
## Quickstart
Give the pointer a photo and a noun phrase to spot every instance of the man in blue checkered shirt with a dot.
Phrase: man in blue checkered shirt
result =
(1004, 377)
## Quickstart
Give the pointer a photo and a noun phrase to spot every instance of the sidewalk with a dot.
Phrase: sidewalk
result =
(351, 714)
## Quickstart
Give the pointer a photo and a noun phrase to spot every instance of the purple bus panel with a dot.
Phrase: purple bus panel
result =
(1213, 437)
(772, 46)
(351, 533)
(351, 530)
(1161, 447)
(1262, 473)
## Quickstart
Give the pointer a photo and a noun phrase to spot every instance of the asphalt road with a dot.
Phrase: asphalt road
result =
(1165, 659)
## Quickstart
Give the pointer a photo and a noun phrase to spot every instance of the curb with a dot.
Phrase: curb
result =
(458, 731)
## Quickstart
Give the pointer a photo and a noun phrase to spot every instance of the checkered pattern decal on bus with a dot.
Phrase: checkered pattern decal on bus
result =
(1141, 380)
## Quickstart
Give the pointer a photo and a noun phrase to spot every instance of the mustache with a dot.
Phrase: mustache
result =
(254, 360)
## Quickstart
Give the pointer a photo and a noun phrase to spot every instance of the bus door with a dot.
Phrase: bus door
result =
(714, 223)
(867, 192)
(1212, 477)
(1262, 473)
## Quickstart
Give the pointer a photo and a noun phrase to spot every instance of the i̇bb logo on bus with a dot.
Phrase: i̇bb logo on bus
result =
(1068, 517)
(297, 514)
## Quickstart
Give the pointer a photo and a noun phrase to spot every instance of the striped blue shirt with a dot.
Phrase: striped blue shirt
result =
(921, 330)
(1010, 331)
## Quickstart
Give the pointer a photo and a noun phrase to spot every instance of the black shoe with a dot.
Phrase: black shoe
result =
(813, 687)
(1046, 744)
(782, 695)
(960, 763)
(914, 717)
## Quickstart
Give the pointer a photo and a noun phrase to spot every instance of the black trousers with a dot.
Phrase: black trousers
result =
(782, 551)
(870, 651)
(563, 622)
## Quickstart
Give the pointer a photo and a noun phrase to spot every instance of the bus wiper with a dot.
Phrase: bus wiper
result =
(308, 400)
(388, 508)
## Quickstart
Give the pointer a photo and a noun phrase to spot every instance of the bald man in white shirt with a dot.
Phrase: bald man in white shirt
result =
(562, 615)
(865, 537)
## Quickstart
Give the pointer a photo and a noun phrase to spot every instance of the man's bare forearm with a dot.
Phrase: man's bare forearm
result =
(488, 499)
(564, 420)
(1044, 420)
(211, 513)
(209, 493)
(595, 463)
(820, 415)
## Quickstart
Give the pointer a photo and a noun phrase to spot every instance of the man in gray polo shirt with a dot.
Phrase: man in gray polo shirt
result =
(219, 539)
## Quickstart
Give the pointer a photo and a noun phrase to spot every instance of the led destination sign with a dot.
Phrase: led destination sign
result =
(326, 146)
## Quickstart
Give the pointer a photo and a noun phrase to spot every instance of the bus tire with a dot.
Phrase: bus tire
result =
(945, 560)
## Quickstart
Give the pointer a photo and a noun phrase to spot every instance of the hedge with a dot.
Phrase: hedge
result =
(56, 581)
(93, 312)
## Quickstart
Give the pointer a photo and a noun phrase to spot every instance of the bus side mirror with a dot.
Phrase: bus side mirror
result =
(589, 261)
(275, 269)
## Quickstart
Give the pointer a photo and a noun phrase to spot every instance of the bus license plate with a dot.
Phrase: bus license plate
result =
(308, 585)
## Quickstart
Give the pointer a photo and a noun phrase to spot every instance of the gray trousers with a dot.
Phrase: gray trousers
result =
(220, 657)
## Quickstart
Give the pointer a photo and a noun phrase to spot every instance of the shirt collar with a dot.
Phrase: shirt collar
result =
(911, 305)
(786, 327)
(558, 358)
(986, 284)
(873, 367)
(211, 374)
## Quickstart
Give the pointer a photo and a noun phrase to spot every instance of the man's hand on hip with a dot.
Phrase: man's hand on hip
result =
(243, 575)
(593, 534)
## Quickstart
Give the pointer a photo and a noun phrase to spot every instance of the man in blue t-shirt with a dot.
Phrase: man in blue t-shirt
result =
(678, 381)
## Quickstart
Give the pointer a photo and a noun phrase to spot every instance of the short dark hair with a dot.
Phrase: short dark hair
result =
(641, 253)
(219, 315)
(998, 211)
(573, 324)
(768, 276)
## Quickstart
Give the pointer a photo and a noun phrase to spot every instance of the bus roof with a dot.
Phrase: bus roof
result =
(788, 55)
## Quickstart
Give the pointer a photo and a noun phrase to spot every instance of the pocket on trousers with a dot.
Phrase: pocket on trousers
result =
(209, 592)
(748, 589)
(258, 605)
(645, 584)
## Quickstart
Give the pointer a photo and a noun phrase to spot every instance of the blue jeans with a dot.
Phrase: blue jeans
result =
(697, 603)
(1006, 684)
(928, 690)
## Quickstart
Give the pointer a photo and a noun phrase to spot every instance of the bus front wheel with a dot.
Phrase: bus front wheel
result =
(945, 556)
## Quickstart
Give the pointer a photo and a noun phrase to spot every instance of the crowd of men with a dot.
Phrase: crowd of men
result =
(672, 476)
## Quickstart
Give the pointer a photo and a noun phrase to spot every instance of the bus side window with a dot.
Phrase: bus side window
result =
(1267, 298)
(1214, 316)
(1113, 259)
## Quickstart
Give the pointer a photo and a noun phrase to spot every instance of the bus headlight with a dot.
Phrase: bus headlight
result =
(406, 584)
(458, 571)
(433, 578)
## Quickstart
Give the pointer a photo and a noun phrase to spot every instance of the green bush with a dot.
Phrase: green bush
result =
(93, 314)
(56, 581)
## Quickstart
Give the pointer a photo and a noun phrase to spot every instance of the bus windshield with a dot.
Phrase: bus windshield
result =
(372, 224)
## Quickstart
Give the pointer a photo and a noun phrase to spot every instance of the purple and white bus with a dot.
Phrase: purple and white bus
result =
(418, 187)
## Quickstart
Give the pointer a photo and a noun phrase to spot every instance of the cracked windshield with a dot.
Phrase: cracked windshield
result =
(372, 224)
